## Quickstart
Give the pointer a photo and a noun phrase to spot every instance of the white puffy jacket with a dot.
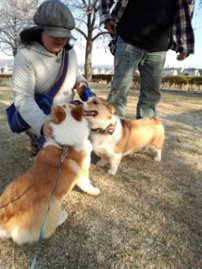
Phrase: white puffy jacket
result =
(35, 70)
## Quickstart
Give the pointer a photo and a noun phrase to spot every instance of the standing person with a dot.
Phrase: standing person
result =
(145, 31)
(38, 65)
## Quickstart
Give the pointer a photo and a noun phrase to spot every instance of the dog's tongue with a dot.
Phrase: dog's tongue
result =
(91, 113)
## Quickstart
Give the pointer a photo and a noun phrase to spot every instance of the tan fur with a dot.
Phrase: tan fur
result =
(138, 134)
(129, 135)
(24, 202)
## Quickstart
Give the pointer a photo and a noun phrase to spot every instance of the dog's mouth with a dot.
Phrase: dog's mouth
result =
(91, 113)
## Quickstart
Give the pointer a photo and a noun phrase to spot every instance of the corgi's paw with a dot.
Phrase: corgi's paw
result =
(93, 191)
(157, 156)
(62, 219)
(112, 171)
(85, 185)
(101, 163)
(157, 159)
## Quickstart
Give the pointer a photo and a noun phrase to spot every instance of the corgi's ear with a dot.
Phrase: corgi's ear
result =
(58, 114)
(77, 112)
(111, 109)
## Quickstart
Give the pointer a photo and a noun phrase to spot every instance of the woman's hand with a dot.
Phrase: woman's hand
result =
(47, 130)
(80, 87)
(85, 93)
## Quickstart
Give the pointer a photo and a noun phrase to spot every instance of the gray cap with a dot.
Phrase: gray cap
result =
(55, 19)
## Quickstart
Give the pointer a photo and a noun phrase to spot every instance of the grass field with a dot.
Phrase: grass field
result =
(148, 216)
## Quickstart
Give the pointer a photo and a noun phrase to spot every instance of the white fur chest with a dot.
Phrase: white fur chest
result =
(104, 144)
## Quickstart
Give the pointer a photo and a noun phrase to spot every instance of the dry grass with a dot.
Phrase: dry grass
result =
(148, 216)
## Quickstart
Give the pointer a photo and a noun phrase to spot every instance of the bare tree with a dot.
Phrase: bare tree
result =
(14, 16)
(86, 14)
(17, 14)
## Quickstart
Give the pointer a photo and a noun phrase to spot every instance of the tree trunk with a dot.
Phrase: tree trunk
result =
(88, 60)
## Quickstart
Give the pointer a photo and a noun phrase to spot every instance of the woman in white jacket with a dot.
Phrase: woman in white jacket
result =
(38, 63)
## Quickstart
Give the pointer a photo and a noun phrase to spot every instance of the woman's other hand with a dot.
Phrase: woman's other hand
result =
(80, 87)
(47, 130)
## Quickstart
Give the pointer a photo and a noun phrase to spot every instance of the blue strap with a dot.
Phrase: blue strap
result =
(45, 100)
(86, 94)
(56, 85)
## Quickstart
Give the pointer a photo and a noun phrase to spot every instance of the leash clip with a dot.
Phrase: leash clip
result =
(64, 153)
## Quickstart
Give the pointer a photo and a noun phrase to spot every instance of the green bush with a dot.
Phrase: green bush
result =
(177, 82)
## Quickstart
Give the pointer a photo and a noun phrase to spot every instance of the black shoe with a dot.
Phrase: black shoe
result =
(94, 158)
(33, 143)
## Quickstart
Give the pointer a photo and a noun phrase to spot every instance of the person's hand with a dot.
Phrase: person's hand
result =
(111, 27)
(80, 87)
(47, 130)
(181, 56)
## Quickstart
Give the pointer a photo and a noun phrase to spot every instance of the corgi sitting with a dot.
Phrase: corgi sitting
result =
(24, 202)
(112, 137)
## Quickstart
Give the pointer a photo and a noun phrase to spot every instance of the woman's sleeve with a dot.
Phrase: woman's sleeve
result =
(24, 91)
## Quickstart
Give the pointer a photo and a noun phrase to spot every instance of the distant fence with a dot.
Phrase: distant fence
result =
(168, 82)
(5, 76)
(182, 82)
(191, 83)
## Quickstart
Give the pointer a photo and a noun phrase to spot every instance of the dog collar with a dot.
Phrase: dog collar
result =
(109, 130)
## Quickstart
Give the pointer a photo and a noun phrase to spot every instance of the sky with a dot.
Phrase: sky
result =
(102, 56)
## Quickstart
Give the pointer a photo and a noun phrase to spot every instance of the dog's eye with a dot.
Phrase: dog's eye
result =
(95, 102)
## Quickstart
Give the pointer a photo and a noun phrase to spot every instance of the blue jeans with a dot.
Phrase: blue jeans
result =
(150, 65)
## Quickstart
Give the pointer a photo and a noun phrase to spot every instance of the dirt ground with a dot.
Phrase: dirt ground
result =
(148, 216)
